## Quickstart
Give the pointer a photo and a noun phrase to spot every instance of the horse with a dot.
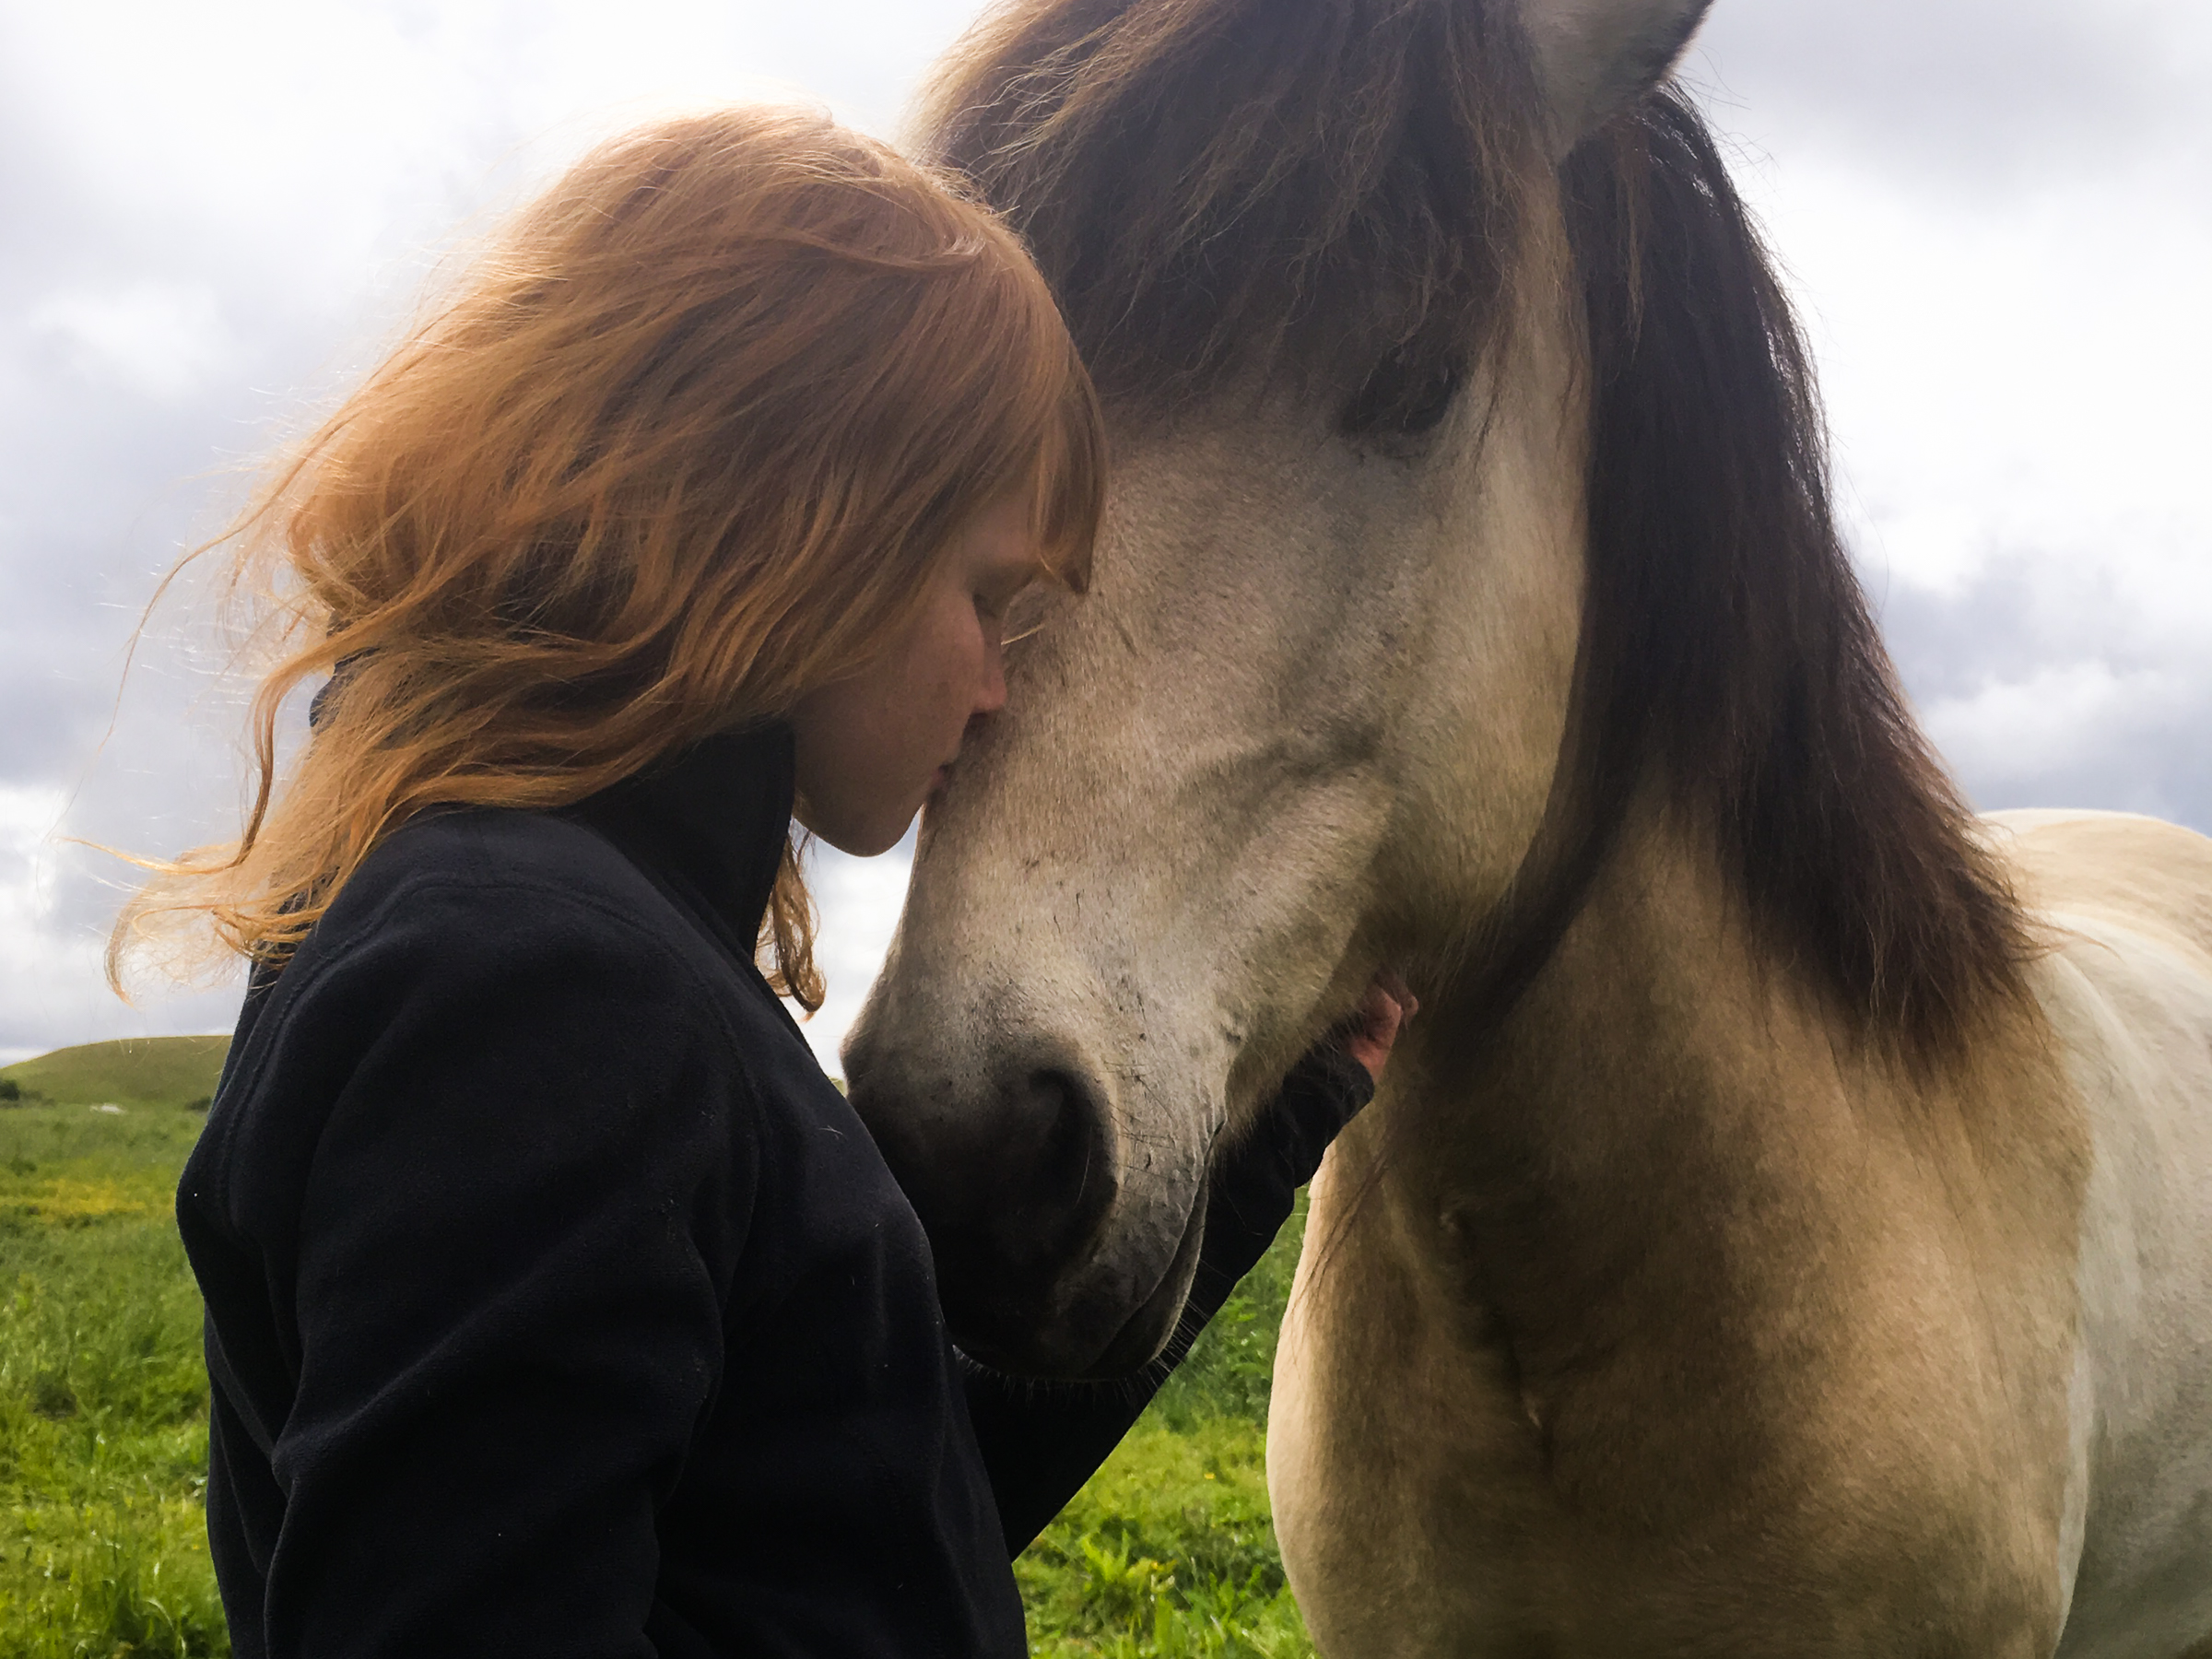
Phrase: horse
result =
(1787, 1227)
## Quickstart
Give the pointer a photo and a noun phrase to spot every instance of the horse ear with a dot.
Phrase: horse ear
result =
(1596, 57)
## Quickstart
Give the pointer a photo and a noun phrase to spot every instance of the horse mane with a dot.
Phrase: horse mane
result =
(1346, 189)
(1728, 649)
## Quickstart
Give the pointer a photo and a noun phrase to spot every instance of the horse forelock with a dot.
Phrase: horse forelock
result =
(1334, 186)
(1346, 189)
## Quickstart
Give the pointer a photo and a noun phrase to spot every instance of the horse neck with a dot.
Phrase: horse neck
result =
(1669, 1108)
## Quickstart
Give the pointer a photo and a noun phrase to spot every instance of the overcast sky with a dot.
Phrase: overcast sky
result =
(1997, 214)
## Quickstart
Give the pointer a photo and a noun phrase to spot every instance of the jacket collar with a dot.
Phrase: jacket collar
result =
(709, 823)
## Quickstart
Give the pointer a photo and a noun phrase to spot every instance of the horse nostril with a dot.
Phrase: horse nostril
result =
(1013, 1182)
(1055, 1171)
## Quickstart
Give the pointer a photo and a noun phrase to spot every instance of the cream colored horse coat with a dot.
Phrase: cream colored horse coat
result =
(2005, 1331)
(1769, 1241)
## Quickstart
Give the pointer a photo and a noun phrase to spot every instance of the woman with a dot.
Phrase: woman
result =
(556, 1303)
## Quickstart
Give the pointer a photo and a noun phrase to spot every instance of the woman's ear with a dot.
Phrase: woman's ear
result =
(1596, 57)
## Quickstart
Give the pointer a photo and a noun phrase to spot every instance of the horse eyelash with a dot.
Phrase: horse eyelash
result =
(1401, 398)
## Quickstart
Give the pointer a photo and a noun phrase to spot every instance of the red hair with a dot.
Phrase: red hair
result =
(679, 447)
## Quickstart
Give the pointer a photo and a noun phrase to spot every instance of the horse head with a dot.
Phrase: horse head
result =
(1310, 718)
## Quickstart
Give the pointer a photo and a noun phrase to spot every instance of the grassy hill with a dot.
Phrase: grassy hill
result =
(136, 1071)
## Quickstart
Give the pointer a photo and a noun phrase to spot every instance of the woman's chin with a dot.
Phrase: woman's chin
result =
(855, 835)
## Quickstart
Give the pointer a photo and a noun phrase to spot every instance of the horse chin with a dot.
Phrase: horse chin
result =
(1097, 1336)
(1145, 1334)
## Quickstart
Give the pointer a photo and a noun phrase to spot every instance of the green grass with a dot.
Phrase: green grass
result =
(103, 1401)
(103, 1437)
(1170, 1550)
(136, 1071)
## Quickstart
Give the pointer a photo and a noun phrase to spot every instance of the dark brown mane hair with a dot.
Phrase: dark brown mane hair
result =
(1345, 189)
(1240, 187)
(1728, 650)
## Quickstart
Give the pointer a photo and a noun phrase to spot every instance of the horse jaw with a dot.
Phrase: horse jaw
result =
(1304, 724)
(1596, 57)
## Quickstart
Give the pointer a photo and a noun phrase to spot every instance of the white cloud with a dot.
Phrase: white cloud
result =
(1995, 96)
(159, 340)
(2002, 372)
(2058, 718)
(51, 977)
(1996, 222)
(27, 817)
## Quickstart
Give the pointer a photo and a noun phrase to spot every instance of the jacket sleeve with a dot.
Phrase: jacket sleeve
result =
(1041, 1440)
(512, 1254)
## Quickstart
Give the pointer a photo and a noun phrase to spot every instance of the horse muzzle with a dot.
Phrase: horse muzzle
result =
(1050, 1261)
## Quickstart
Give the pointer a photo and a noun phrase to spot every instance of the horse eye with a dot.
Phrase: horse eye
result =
(1403, 396)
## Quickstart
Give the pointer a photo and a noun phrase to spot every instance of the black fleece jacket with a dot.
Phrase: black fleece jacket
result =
(559, 1305)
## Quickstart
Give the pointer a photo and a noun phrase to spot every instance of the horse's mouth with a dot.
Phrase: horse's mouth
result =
(1065, 1343)
(1146, 1332)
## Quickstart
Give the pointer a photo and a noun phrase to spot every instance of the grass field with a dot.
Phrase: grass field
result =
(104, 1402)
(103, 1436)
(136, 1071)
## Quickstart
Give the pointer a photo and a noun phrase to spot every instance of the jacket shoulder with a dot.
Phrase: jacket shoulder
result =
(492, 850)
(482, 934)
(500, 906)
(478, 883)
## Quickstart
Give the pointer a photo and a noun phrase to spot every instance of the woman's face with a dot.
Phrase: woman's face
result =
(870, 750)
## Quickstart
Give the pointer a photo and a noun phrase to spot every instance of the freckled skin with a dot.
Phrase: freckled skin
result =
(871, 749)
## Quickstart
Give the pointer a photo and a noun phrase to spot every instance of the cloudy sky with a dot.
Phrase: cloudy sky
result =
(1998, 215)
